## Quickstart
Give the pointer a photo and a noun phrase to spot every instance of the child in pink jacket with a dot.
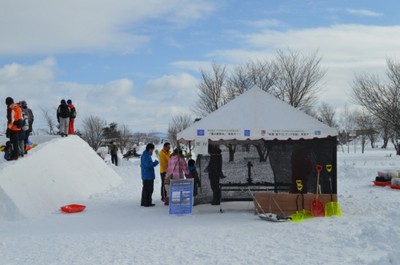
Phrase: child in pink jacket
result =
(177, 169)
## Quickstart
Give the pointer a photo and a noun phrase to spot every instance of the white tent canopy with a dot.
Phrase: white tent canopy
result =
(256, 115)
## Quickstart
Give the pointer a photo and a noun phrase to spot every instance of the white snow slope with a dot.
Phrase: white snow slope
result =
(54, 173)
(114, 229)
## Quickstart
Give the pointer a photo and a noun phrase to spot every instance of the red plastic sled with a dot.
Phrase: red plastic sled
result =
(382, 183)
(73, 208)
(395, 187)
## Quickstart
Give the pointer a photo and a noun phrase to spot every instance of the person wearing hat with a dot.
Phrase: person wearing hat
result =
(71, 129)
(14, 125)
(63, 115)
(28, 114)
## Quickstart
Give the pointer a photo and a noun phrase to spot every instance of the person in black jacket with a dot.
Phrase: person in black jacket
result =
(27, 112)
(63, 115)
(113, 149)
(215, 172)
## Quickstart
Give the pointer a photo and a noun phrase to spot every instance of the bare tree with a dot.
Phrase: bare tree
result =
(263, 74)
(381, 99)
(348, 127)
(179, 123)
(93, 131)
(50, 120)
(291, 76)
(362, 122)
(238, 82)
(255, 73)
(211, 91)
(326, 114)
(125, 138)
(385, 132)
(299, 78)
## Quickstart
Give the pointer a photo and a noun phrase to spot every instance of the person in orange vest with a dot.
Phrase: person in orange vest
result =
(71, 128)
(14, 125)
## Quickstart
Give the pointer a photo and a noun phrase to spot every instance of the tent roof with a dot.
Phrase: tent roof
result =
(256, 115)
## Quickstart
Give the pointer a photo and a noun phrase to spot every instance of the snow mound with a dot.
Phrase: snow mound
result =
(58, 172)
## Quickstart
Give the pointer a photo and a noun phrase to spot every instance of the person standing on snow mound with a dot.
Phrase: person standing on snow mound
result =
(63, 114)
(14, 125)
(71, 128)
(147, 166)
(27, 112)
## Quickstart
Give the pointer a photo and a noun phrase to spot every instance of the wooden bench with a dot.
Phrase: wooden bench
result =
(266, 202)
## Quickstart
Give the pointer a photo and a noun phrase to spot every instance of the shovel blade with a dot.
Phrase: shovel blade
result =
(301, 215)
(297, 216)
(317, 209)
(332, 208)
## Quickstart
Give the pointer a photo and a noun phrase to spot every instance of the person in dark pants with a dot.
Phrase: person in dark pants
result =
(147, 166)
(215, 172)
(114, 153)
(27, 112)
(164, 158)
(14, 125)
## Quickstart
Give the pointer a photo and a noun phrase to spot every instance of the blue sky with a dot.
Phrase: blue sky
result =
(137, 62)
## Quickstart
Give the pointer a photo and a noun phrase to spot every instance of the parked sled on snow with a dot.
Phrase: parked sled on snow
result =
(72, 208)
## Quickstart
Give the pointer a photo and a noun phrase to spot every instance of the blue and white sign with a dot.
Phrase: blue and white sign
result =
(181, 197)
(247, 133)
(200, 132)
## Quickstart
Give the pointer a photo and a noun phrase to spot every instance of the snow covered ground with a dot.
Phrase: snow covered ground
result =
(114, 229)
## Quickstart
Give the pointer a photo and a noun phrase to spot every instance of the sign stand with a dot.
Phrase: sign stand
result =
(181, 197)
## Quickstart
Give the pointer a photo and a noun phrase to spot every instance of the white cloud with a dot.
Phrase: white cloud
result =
(49, 27)
(113, 101)
(41, 71)
(194, 66)
(263, 23)
(172, 90)
(363, 12)
(345, 50)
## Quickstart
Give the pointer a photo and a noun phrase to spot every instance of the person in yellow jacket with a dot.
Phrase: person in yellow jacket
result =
(164, 158)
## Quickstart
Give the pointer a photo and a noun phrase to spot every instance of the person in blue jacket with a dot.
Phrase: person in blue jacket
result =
(147, 167)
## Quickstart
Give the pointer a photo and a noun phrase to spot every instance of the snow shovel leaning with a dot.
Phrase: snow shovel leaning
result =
(298, 216)
(317, 208)
(331, 208)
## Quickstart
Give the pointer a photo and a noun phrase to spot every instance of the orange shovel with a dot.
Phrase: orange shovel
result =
(317, 208)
